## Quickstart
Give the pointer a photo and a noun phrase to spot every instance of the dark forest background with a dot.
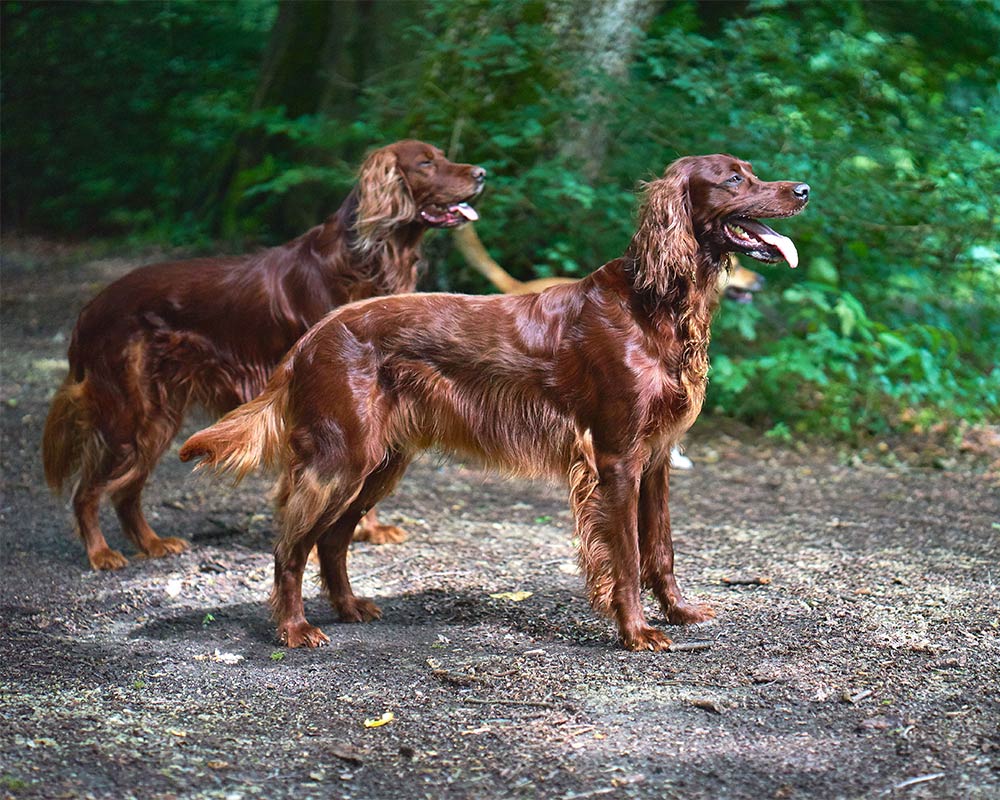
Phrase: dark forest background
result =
(221, 126)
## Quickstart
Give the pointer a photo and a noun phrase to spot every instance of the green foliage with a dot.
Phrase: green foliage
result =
(840, 371)
(115, 112)
(900, 140)
(890, 112)
(126, 117)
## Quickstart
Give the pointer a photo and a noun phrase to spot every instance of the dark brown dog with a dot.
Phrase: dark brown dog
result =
(209, 332)
(592, 381)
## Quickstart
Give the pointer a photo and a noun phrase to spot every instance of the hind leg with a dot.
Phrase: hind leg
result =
(332, 545)
(309, 506)
(128, 505)
(126, 493)
(331, 548)
(86, 507)
(294, 629)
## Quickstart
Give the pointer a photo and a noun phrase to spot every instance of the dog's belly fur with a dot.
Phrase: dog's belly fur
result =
(469, 429)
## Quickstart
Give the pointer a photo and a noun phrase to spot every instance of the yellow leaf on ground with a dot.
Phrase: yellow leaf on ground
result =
(514, 597)
(385, 719)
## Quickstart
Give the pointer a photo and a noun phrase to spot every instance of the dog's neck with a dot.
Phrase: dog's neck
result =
(679, 298)
(389, 262)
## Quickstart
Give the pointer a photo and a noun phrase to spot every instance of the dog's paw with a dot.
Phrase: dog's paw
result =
(380, 534)
(297, 634)
(357, 609)
(684, 613)
(169, 545)
(107, 558)
(646, 639)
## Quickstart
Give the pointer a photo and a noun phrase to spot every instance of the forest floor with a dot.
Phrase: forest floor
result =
(862, 659)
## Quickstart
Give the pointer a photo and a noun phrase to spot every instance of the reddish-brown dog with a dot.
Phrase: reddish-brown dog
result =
(209, 332)
(592, 381)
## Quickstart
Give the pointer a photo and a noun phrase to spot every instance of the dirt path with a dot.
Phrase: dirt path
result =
(867, 667)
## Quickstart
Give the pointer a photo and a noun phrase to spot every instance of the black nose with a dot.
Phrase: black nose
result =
(480, 175)
(801, 191)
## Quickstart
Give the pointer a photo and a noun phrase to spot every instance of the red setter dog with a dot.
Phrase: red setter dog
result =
(592, 381)
(209, 332)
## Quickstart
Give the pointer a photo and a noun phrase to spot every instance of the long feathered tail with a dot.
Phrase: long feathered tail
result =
(68, 434)
(247, 437)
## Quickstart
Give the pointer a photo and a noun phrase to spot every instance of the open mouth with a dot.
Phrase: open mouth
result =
(759, 241)
(451, 216)
(738, 294)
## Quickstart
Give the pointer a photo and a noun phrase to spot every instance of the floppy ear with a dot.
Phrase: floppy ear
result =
(664, 242)
(384, 200)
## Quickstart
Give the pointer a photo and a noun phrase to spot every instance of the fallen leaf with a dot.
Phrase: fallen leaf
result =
(514, 597)
(385, 719)
(222, 658)
(743, 580)
(706, 704)
(847, 697)
(347, 752)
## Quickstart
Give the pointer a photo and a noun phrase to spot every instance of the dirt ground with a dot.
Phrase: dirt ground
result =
(864, 664)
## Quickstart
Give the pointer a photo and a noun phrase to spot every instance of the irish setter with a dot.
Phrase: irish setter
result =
(736, 283)
(592, 381)
(209, 332)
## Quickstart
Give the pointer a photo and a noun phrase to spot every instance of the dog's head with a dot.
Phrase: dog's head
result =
(739, 284)
(715, 201)
(412, 182)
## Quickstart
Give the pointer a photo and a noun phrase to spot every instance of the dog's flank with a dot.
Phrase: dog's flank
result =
(592, 381)
(209, 332)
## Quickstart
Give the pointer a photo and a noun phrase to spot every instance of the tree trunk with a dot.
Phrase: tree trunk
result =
(318, 60)
(604, 35)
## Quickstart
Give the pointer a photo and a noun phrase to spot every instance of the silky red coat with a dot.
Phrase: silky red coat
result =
(209, 332)
(592, 381)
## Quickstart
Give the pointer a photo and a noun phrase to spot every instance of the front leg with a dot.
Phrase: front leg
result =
(605, 506)
(656, 549)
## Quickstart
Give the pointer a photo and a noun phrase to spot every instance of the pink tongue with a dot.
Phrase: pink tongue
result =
(784, 244)
(466, 211)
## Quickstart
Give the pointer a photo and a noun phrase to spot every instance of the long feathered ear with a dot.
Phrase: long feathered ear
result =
(664, 243)
(384, 200)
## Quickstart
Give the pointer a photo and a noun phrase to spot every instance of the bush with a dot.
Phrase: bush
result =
(120, 116)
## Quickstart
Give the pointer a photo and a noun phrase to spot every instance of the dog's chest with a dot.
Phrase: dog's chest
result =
(670, 393)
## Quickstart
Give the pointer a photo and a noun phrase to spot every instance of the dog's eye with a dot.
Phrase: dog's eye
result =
(426, 164)
(736, 180)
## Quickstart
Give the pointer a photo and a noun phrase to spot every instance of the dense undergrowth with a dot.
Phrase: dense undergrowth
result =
(140, 120)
